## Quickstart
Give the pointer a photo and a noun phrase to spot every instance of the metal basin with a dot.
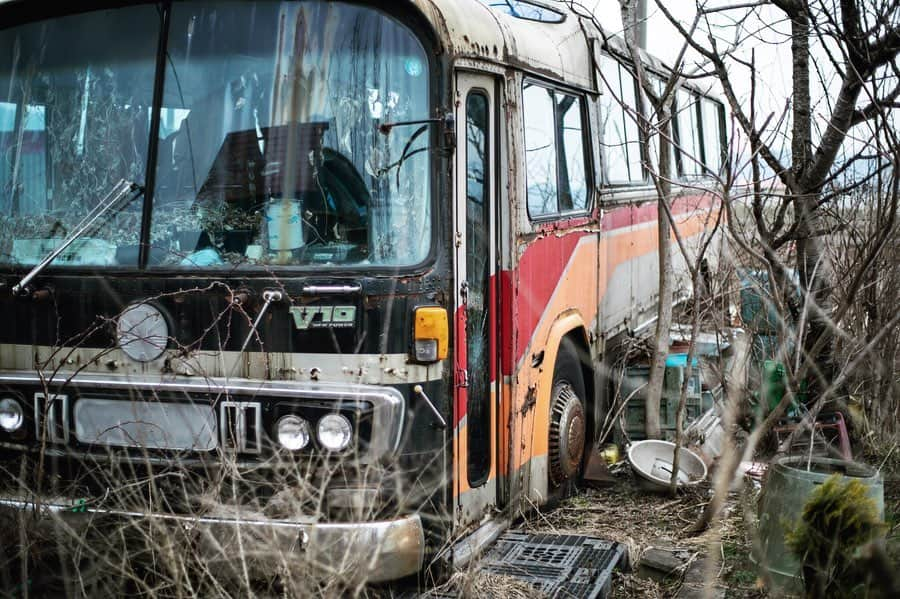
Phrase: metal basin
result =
(651, 461)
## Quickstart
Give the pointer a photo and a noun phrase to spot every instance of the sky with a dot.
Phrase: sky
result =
(769, 42)
(664, 41)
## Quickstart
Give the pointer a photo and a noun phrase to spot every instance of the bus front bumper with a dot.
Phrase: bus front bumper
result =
(373, 552)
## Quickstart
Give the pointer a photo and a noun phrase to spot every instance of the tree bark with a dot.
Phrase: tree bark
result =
(666, 279)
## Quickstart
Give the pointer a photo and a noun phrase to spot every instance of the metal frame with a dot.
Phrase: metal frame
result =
(388, 414)
(51, 416)
(240, 428)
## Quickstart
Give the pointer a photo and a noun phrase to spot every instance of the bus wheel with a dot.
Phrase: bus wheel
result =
(567, 416)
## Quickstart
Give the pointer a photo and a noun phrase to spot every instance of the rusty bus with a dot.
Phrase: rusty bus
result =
(350, 236)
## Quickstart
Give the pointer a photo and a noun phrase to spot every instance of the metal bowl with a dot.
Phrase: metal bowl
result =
(651, 461)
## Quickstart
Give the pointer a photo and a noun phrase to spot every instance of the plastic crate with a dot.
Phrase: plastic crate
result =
(557, 565)
(635, 380)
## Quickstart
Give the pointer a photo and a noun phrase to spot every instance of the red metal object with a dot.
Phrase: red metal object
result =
(832, 427)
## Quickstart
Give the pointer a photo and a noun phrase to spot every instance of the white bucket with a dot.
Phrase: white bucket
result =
(285, 224)
(651, 461)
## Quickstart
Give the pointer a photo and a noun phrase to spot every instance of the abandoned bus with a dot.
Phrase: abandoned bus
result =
(362, 262)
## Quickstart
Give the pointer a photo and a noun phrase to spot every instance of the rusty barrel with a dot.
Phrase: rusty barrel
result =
(787, 489)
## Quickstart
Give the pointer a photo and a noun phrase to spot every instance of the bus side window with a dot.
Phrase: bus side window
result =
(573, 193)
(712, 136)
(688, 130)
(556, 167)
(540, 150)
(621, 136)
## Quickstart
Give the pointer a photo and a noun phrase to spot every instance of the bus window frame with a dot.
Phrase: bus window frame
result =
(722, 143)
(587, 154)
(614, 193)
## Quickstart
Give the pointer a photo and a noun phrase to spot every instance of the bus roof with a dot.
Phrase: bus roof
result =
(471, 29)
(560, 51)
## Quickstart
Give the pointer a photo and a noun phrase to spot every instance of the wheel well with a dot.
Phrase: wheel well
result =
(579, 340)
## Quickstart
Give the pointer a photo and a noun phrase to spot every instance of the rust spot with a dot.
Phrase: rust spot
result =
(530, 398)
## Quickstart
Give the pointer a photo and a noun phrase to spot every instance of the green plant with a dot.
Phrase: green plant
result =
(837, 521)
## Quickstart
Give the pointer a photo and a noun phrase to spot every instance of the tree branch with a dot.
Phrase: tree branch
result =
(722, 72)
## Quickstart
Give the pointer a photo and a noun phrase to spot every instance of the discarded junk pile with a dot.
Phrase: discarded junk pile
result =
(652, 461)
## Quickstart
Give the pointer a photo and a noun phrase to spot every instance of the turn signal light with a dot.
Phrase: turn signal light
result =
(431, 335)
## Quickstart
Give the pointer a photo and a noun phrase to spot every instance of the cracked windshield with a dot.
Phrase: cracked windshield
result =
(271, 149)
(74, 120)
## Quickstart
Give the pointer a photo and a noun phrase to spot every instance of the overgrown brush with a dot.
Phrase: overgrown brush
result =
(838, 522)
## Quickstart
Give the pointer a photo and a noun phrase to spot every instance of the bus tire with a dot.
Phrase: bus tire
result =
(568, 421)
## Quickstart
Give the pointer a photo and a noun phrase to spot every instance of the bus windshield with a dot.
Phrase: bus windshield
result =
(269, 143)
(74, 119)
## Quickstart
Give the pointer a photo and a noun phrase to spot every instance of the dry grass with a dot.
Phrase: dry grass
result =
(479, 584)
(624, 513)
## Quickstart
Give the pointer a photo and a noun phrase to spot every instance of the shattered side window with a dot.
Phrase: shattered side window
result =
(272, 150)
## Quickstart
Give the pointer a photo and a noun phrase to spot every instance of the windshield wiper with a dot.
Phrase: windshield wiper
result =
(121, 190)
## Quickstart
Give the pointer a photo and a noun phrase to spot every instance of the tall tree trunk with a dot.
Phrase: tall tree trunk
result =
(813, 265)
(666, 281)
(662, 179)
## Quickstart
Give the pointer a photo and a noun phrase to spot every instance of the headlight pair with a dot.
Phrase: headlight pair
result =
(333, 432)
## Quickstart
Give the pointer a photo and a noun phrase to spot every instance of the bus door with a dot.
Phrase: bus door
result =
(476, 393)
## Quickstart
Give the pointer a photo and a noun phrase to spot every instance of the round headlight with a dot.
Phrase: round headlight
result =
(11, 415)
(292, 432)
(334, 432)
(142, 332)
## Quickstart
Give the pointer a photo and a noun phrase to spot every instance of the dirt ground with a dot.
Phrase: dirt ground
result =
(622, 512)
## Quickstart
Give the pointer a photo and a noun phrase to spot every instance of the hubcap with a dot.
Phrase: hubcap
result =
(567, 433)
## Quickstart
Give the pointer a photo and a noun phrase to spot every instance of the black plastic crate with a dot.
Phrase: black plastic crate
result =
(559, 566)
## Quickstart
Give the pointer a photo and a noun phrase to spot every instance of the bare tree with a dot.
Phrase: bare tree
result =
(855, 46)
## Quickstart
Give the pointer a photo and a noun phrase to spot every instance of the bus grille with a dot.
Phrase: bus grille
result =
(56, 412)
(240, 423)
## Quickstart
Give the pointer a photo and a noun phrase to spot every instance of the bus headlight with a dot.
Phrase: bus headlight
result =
(334, 432)
(142, 332)
(292, 432)
(11, 415)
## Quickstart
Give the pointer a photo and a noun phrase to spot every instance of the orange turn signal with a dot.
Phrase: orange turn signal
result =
(431, 336)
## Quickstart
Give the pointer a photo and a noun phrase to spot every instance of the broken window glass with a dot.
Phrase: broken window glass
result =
(74, 122)
(271, 151)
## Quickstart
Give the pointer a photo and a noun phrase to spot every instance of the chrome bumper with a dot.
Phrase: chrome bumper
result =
(363, 551)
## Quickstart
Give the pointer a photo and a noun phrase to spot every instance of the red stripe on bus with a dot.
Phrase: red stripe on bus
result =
(539, 271)
(528, 290)
(460, 363)
(636, 214)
